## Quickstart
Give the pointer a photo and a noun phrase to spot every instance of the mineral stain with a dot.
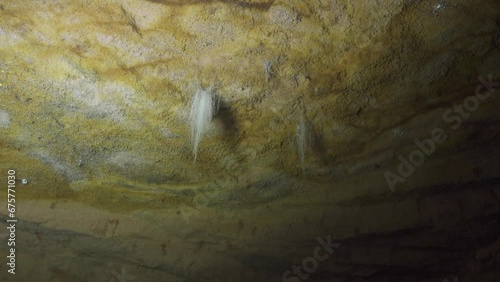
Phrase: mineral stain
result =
(257, 4)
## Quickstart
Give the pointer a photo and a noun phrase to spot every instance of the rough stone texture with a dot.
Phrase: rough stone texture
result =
(94, 101)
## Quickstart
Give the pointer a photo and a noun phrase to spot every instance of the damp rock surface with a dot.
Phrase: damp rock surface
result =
(94, 111)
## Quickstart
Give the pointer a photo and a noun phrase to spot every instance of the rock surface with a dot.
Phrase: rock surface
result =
(94, 102)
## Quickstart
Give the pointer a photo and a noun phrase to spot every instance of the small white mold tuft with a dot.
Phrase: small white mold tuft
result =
(304, 140)
(203, 107)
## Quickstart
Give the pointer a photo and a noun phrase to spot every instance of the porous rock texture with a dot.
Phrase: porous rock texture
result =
(94, 102)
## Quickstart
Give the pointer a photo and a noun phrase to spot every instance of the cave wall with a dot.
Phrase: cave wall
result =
(94, 103)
